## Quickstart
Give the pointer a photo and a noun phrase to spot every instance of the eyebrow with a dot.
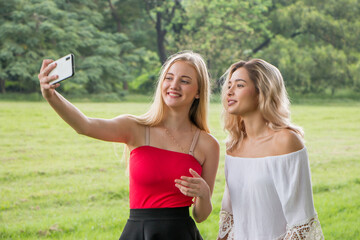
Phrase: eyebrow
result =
(238, 80)
(181, 75)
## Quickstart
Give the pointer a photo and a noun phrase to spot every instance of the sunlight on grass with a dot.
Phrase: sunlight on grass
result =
(56, 184)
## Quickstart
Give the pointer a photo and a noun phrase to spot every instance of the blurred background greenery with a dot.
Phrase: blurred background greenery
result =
(55, 185)
(119, 46)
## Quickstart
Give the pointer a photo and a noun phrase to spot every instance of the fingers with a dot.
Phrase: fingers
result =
(188, 192)
(187, 188)
(48, 79)
(46, 68)
(48, 86)
(191, 186)
(186, 183)
(194, 173)
(45, 63)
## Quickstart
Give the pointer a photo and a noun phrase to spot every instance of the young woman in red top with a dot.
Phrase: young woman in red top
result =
(173, 158)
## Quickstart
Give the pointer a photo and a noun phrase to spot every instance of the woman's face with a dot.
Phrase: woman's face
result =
(180, 86)
(241, 95)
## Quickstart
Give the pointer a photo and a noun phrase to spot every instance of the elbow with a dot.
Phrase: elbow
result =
(202, 218)
(80, 131)
(83, 129)
(199, 218)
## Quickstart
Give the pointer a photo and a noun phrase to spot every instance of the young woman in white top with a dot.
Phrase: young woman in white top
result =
(268, 192)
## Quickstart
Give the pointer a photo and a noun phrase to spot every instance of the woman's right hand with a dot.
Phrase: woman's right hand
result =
(47, 90)
(119, 129)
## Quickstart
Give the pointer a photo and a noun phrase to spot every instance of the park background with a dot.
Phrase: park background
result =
(55, 184)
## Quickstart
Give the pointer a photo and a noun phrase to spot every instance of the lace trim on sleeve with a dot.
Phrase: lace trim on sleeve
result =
(226, 226)
(308, 231)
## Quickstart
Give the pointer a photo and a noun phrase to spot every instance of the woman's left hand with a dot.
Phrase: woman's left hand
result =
(194, 186)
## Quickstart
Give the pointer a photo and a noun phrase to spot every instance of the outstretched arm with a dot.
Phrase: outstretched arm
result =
(117, 129)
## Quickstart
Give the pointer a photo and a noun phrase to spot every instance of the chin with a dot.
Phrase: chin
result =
(232, 111)
(172, 104)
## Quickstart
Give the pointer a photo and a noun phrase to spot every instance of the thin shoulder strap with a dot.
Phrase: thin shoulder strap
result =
(147, 135)
(193, 144)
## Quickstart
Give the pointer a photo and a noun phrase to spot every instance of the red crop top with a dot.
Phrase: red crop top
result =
(153, 172)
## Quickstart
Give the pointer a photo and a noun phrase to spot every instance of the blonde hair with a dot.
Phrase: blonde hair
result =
(273, 100)
(199, 108)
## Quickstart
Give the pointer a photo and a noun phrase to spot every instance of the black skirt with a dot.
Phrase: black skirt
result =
(160, 224)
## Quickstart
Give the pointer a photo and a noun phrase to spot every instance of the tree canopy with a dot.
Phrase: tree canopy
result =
(120, 45)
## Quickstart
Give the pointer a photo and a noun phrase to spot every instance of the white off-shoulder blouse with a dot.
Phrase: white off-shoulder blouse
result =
(269, 198)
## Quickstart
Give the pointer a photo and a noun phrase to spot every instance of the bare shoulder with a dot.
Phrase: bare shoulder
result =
(208, 140)
(126, 118)
(208, 144)
(130, 128)
(287, 141)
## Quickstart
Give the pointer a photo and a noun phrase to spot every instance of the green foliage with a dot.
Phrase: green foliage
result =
(313, 43)
(146, 81)
(325, 52)
(119, 45)
(50, 29)
(224, 31)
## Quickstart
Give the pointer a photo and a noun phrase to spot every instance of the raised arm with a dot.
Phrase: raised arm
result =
(118, 129)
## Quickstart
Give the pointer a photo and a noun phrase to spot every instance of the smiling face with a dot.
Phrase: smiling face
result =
(241, 95)
(180, 86)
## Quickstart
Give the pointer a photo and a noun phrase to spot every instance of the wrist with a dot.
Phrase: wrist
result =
(47, 95)
(205, 197)
(206, 194)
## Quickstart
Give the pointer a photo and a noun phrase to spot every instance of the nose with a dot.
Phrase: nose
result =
(230, 91)
(175, 84)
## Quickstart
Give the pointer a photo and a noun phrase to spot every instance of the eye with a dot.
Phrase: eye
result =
(168, 78)
(239, 85)
(185, 81)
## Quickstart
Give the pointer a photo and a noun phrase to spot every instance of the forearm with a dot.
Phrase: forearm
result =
(69, 113)
(202, 208)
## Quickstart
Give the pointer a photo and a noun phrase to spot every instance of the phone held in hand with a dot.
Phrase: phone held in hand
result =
(65, 68)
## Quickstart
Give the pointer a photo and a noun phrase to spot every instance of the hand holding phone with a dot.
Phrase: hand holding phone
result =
(65, 68)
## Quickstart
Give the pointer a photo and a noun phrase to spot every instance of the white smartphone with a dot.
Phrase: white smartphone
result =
(65, 68)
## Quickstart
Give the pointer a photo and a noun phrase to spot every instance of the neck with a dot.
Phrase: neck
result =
(255, 126)
(175, 120)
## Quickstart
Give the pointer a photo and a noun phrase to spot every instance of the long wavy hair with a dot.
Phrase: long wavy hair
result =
(199, 108)
(273, 101)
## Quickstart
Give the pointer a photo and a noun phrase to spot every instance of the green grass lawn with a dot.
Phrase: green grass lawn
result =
(56, 184)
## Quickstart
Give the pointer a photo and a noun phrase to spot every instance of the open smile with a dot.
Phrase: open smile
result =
(174, 94)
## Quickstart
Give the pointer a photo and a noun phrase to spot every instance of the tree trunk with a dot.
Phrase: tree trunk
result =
(160, 33)
(115, 16)
(2, 86)
(125, 85)
(332, 91)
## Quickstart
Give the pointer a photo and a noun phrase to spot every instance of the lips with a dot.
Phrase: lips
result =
(174, 94)
(231, 102)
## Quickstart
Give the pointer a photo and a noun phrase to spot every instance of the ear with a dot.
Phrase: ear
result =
(197, 96)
